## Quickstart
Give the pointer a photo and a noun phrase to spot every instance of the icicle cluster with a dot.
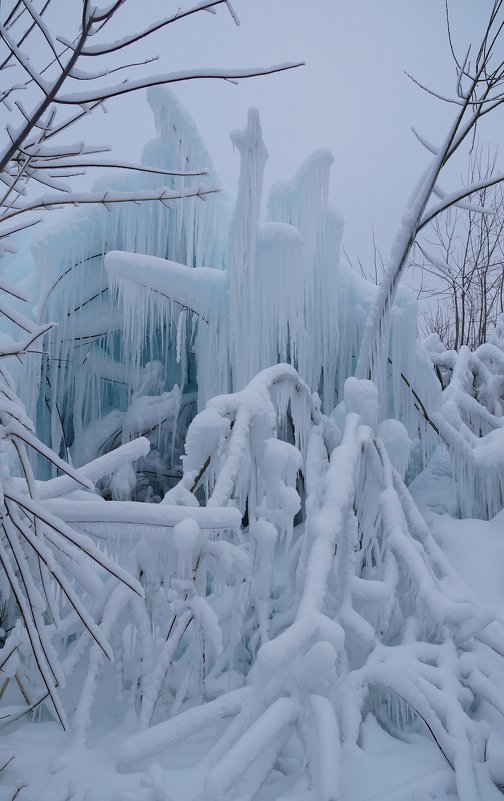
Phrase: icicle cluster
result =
(97, 352)
(471, 421)
(47, 574)
(279, 275)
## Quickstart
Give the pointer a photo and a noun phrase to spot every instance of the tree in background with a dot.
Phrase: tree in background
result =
(478, 91)
(464, 253)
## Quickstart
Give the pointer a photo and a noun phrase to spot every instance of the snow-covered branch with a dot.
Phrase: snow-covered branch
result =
(164, 196)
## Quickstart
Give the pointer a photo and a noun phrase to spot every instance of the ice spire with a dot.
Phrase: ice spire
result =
(242, 248)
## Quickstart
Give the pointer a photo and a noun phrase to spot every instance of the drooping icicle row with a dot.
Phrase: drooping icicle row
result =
(471, 422)
(91, 327)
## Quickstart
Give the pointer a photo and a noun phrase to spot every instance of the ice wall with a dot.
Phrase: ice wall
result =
(282, 294)
(280, 278)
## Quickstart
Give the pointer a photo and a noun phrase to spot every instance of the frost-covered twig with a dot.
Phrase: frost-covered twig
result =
(25, 157)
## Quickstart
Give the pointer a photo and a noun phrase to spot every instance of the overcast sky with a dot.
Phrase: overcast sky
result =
(352, 96)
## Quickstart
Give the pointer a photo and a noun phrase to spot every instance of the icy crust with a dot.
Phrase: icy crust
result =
(196, 232)
(178, 308)
(187, 573)
(357, 611)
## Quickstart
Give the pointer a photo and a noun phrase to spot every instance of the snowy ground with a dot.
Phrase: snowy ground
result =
(387, 769)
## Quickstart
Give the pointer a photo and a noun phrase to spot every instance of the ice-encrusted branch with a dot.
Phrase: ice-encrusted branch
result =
(232, 426)
(164, 196)
(197, 289)
(65, 164)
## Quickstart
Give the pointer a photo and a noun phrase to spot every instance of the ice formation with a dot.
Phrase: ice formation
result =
(292, 587)
(471, 421)
(205, 284)
(360, 611)
(91, 371)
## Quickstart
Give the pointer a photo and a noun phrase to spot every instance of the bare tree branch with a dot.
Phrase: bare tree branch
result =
(477, 93)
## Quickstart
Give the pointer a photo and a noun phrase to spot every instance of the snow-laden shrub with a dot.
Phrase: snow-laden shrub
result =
(48, 573)
(471, 421)
(356, 610)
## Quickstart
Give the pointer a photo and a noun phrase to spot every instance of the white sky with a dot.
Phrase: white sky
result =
(352, 96)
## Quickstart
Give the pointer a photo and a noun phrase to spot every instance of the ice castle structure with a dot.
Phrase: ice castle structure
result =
(206, 291)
